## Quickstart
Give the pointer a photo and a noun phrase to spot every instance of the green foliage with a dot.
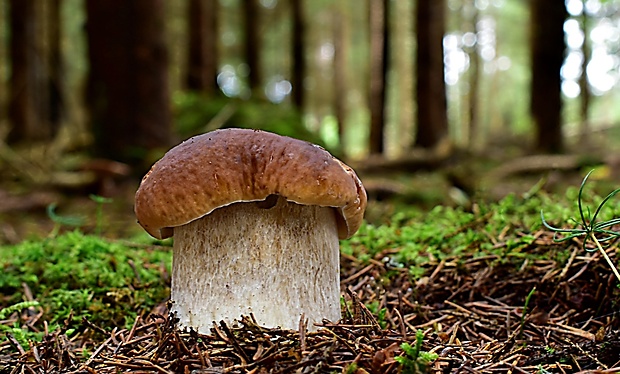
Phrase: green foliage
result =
(524, 313)
(415, 238)
(74, 276)
(380, 313)
(589, 228)
(194, 112)
(59, 221)
(100, 200)
(351, 368)
(21, 334)
(504, 230)
(542, 370)
(414, 360)
(5, 312)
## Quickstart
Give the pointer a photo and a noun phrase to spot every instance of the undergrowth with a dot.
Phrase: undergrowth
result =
(590, 228)
(505, 229)
(71, 276)
(75, 276)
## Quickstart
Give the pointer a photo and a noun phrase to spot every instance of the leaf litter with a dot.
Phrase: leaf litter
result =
(478, 313)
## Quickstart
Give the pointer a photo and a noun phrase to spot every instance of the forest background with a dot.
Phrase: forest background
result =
(465, 119)
(92, 93)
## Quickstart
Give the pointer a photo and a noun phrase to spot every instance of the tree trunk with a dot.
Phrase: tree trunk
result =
(26, 94)
(379, 40)
(56, 76)
(251, 15)
(473, 133)
(432, 118)
(299, 57)
(340, 70)
(203, 56)
(128, 94)
(585, 94)
(402, 75)
(547, 23)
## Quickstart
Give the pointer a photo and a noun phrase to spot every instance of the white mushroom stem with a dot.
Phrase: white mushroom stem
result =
(276, 263)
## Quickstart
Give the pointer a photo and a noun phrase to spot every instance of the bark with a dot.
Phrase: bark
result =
(299, 58)
(402, 16)
(379, 40)
(25, 84)
(203, 56)
(56, 74)
(128, 94)
(547, 23)
(474, 86)
(585, 95)
(340, 71)
(432, 118)
(253, 46)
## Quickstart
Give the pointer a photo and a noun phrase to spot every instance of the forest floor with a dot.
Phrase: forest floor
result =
(439, 279)
(479, 289)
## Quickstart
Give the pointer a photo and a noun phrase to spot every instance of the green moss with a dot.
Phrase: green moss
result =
(505, 229)
(74, 276)
(83, 276)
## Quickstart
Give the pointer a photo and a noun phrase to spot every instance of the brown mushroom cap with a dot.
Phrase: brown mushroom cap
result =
(227, 166)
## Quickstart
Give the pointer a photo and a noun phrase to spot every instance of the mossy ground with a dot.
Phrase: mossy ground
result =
(485, 288)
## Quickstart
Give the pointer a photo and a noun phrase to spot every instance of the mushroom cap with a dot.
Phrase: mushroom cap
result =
(223, 167)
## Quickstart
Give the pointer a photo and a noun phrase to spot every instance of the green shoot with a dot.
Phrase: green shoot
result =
(414, 360)
(100, 200)
(22, 336)
(524, 313)
(60, 221)
(5, 312)
(351, 368)
(599, 232)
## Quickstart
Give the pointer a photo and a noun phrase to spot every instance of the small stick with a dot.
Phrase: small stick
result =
(303, 324)
(15, 343)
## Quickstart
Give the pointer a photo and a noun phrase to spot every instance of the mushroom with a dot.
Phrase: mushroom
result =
(256, 219)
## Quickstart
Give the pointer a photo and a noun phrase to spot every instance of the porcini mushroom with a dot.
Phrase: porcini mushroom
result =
(256, 219)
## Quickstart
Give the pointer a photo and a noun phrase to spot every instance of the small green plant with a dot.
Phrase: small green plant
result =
(351, 368)
(549, 350)
(5, 312)
(100, 200)
(599, 233)
(524, 313)
(380, 313)
(414, 360)
(542, 370)
(59, 221)
(21, 335)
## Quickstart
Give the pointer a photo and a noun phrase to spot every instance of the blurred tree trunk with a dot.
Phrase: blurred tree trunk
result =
(203, 57)
(547, 25)
(128, 96)
(402, 75)
(27, 99)
(251, 13)
(299, 57)
(586, 93)
(56, 74)
(340, 69)
(432, 118)
(473, 131)
(379, 56)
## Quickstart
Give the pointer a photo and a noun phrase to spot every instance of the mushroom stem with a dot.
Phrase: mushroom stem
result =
(276, 263)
